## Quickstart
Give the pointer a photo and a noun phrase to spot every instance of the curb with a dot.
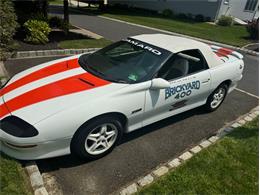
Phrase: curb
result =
(247, 51)
(36, 179)
(186, 155)
(49, 53)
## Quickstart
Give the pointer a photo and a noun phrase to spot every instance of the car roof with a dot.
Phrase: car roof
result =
(177, 44)
(172, 43)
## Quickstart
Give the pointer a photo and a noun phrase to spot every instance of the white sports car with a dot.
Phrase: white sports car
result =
(84, 104)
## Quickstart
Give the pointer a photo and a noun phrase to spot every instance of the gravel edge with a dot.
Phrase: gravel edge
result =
(36, 179)
(164, 168)
(49, 53)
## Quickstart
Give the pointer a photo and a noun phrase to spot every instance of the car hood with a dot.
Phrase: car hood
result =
(41, 91)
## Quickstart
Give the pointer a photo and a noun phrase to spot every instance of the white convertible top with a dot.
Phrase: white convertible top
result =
(177, 44)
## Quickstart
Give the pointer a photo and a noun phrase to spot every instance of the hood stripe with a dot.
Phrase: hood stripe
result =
(56, 89)
(3, 110)
(41, 82)
(42, 73)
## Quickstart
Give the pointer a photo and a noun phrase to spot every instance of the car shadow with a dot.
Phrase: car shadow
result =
(53, 164)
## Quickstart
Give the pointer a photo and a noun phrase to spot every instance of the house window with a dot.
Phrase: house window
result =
(251, 5)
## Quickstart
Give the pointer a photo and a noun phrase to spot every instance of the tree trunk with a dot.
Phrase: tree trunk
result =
(66, 15)
(45, 8)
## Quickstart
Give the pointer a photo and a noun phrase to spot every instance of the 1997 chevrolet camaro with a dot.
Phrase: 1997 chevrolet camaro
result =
(84, 104)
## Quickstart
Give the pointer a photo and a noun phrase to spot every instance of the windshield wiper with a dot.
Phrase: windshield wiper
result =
(95, 70)
(117, 80)
(105, 76)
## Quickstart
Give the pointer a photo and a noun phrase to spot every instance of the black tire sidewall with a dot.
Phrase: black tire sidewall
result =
(210, 98)
(78, 140)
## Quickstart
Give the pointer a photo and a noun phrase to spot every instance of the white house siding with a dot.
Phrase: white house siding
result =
(236, 8)
(208, 8)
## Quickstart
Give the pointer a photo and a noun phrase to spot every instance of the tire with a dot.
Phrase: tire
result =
(83, 142)
(209, 106)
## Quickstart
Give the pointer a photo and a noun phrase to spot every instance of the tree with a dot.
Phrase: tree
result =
(8, 27)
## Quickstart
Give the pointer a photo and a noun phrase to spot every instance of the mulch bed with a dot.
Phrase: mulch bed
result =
(54, 38)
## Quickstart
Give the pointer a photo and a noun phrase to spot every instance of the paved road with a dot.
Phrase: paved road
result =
(143, 150)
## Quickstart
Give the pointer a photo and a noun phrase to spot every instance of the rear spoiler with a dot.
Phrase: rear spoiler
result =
(221, 51)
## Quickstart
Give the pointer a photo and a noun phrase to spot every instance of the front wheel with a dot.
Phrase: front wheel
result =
(216, 98)
(97, 138)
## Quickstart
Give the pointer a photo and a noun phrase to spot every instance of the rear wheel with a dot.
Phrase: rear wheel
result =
(216, 98)
(97, 138)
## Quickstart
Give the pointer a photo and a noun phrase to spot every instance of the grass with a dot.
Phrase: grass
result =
(228, 167)
(13, 180)
(234, 35)
(84, 43)
(56, 2)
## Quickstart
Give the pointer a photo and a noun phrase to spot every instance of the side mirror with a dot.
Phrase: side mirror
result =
(159, 83)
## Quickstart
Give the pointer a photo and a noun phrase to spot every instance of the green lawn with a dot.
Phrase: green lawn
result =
(56, 2)
(228, 167)
(84, 43)
(235, 35)
(13, 180)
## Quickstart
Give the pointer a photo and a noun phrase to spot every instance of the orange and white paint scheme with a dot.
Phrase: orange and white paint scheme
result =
(136, 82)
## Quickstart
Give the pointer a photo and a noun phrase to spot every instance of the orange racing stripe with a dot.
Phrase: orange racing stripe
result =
(59, 88)
(223, 52)
(3, 110)
(42, 73)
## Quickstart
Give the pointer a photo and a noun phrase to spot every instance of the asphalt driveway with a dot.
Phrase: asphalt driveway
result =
(143, 150)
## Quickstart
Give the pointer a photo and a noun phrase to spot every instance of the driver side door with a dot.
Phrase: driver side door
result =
(189, 78)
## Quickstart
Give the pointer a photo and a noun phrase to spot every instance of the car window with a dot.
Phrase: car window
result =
(198, 63)
(182, 64)
(127, 61)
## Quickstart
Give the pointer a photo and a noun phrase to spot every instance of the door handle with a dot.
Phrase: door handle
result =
(205, 81)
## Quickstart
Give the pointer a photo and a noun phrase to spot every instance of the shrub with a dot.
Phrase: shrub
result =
(26, 10)
(225, 21)
(182, 16)
(208, 19)
(37, 31)
(8, 27)
(39, 16)
(167, 13)
(253, 29)
(199, 18)
(190, 16)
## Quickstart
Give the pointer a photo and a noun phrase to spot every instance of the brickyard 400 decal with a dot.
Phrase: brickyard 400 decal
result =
(183, 90)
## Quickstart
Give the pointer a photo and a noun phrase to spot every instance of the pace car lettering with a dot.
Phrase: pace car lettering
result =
(182, 90)
(156, 52)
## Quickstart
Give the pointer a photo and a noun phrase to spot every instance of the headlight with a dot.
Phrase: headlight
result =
(17, 127)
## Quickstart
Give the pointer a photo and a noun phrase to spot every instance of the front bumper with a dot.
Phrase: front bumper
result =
(25, 149)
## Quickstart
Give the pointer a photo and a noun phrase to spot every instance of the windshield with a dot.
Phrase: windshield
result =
(127, 61)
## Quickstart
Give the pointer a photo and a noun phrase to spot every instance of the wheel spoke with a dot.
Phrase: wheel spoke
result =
(93, 137)
(94, 146)
(103, 129)
(110, 134)
(104, 144)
